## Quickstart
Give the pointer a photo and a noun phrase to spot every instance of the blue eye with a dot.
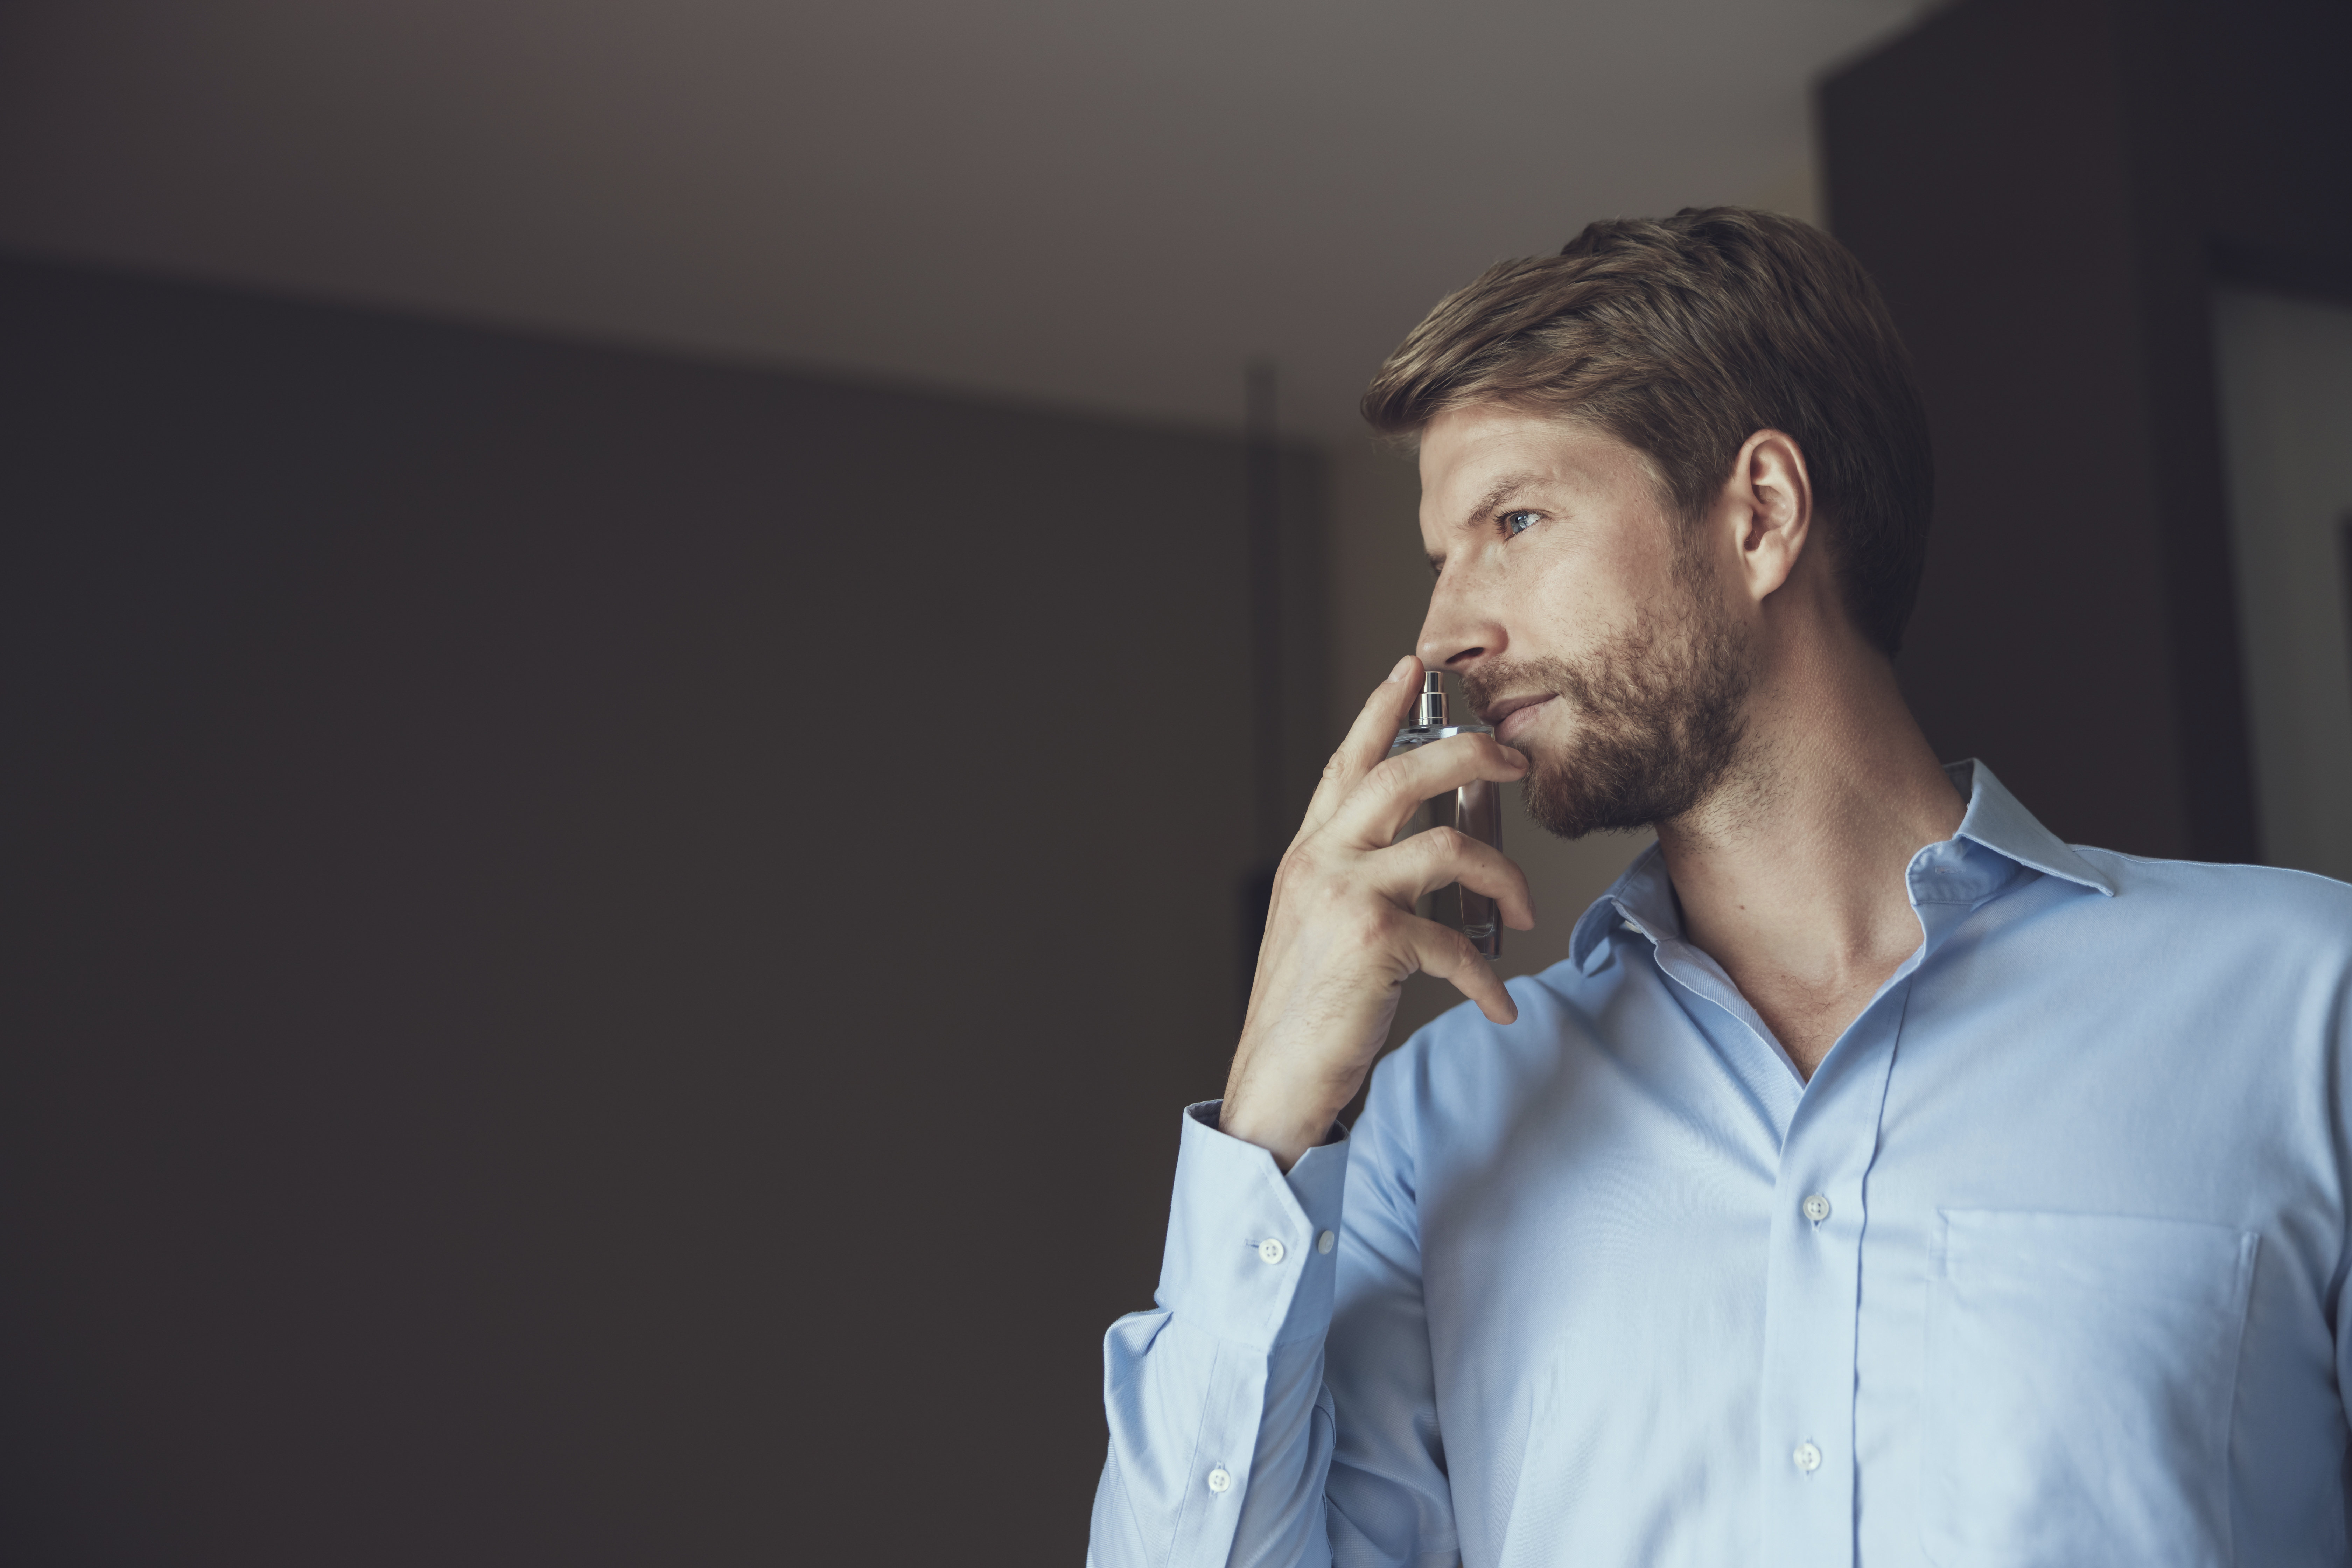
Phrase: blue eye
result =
(1516, 522)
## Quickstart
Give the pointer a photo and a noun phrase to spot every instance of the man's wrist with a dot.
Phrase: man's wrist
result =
(1280, 1131)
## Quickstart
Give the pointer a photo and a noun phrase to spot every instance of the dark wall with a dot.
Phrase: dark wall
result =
(2047, 190)
(602, 953)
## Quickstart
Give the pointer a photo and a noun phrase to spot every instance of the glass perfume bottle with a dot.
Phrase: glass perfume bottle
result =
(1476, 809)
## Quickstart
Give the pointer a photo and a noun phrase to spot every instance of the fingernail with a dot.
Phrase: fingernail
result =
(1403, 668)
(1514, 756)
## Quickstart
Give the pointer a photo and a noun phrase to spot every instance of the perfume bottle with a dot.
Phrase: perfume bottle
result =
(1476, 809)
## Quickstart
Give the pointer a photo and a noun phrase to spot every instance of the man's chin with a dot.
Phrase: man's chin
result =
(1572, 793)
(1557, 798)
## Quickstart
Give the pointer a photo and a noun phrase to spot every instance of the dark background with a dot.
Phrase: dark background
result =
(2048, 194)
(598, 948)
(602, 951)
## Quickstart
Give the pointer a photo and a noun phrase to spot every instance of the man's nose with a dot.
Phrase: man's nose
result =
(1458, 630)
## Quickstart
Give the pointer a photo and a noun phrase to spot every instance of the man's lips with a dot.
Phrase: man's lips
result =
(1514, 714)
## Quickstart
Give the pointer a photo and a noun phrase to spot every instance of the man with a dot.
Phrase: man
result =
(1880, 1179)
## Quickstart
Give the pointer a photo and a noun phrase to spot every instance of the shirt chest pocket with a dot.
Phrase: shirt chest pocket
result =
(2080, 1375)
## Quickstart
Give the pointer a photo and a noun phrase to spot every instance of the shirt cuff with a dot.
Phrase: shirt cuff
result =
(1251, 1251)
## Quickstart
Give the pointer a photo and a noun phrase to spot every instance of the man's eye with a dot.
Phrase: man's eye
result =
(1519, 522)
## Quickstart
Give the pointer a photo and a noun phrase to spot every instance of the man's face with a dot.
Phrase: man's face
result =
(1588, 623)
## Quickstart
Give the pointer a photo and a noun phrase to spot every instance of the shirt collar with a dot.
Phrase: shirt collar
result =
(1998, 822)
(1644, 897)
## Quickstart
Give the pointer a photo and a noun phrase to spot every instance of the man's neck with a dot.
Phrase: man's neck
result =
(1791, 875)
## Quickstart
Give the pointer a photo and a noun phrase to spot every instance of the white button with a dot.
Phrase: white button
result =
(1632, 927)
(1808, 1458)
(1221, 1479)
(1270, 1249)
(1817, 1208)
(1325, 1242)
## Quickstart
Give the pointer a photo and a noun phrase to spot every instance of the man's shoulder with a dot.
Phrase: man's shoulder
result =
(2278, 941)
(2271, 899)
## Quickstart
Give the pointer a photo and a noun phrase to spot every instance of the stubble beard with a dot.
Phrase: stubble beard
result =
(1658, 715)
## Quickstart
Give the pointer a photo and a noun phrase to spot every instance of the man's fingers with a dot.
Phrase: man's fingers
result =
(1448, 955)
(1443, 855)
(1385, 711)
(1394, 789)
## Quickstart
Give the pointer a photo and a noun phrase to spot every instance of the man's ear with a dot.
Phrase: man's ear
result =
(1771, 502)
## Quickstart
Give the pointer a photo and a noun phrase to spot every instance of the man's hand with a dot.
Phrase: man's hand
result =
(1341, 934)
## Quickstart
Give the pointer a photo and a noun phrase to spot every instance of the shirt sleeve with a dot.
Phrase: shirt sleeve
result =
(1223, 1428)
(2340, 1079)
(1389, 1498)
(1219, 1433)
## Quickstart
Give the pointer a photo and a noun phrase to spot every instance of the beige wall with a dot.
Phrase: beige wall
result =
(2286, 404)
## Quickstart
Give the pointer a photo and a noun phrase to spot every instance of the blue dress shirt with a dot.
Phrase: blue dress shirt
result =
(2045, 1266)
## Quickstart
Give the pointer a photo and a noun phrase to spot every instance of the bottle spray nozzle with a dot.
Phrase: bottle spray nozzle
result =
(1431, 711)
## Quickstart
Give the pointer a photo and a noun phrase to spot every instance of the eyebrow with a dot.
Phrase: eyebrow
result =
(1505, 489)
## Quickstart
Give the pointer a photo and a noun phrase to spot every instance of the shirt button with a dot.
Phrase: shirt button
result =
(1807, 1457)
(1270, 1249)
(1817, 1208)
(1221, 1479)
(1325, 1242)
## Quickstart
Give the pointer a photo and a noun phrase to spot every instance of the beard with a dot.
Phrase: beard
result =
(1659, 712)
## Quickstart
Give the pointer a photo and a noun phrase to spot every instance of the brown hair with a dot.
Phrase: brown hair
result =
(1683, 336)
